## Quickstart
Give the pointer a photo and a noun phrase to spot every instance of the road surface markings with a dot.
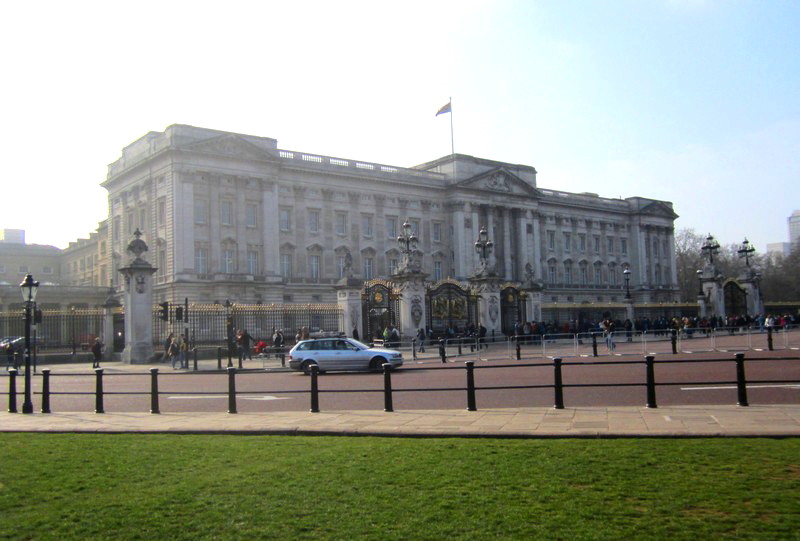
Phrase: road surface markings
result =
(728, 387)
(203, 397)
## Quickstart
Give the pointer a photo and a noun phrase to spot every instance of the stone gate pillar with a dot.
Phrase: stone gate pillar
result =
(137, 299)
(108, 327)
(712, 302)
(411, 286)
(348, 297)
(488, 290)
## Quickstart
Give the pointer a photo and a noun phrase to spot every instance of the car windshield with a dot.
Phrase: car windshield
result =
(356, 343)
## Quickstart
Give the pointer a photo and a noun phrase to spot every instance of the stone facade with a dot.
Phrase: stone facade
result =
(232, 216)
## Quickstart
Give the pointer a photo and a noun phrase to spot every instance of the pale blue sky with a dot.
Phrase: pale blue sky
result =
(692, 101)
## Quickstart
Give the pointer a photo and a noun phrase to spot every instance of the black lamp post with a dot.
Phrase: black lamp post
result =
(408, 243)
(627, 274)
(700, 281)
(746, 251)
(710, 248)
(484, 246)
(229, 330)
(28, 287)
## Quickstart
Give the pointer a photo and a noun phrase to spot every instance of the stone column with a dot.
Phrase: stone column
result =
(472, 257)
(490, 228)
(537, 247)
(508, 272)
(459, 242)
(269, 227)
(138, 301)
(108, 327)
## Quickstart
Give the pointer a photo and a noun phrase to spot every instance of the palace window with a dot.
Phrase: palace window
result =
(251, 215)
(567, 241)
(437, 231)
(314, 267)
(252, 262)
(341, 223)
(368, 268)
(551, 240)
(366, 225)
(623, 246)
(285, 219)
(391, 227)
(286, 266)
(393, 264)
(226, 212)
(200, 211)
(582, 243)
(313, 221)
(201, 260)
(437, 271)
(228, 260)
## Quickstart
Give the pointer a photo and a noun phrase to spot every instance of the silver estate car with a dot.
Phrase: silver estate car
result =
(340, 354)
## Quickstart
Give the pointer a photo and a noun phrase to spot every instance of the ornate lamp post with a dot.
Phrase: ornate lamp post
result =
(746, 251)
(627, 274)
(29, 288)
(408, 244)
(484, 247)
(710, 248)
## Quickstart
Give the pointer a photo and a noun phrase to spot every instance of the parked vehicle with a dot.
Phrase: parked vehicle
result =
(340, 354)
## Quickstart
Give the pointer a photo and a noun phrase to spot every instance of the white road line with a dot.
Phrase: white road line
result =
(203, 397)
(734, 387)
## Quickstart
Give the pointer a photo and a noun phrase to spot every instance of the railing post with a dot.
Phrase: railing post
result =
(314, 389)
(442, 350)
(558, 384)
(98, 391)
(519, 353)
(741, 381)
(471, 405)
(232, 389)
(674, 340)
(154, 391)
(195, 358)
(769, 339)
(594, 344)
(387, 387)
(651, 381)
(414, 349)
(12, 390)
(219, 358)
(460, 339)
(46, 390)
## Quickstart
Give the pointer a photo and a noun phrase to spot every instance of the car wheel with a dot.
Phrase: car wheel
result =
(376, 364)
(307, 367)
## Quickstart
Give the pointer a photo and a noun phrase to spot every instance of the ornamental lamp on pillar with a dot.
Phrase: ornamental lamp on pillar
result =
(746, 250)
(627, 274)
(29, 287)
(710, 248)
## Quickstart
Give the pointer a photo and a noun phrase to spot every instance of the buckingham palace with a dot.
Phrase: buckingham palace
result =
(233, 216)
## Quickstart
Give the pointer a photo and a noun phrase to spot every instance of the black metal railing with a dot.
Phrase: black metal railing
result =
(471, 388)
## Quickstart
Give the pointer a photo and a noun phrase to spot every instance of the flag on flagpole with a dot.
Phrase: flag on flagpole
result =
(444, 109)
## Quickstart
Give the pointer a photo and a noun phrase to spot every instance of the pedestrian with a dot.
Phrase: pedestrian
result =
(97, 352)
(167, 344)
(355, 333)
(421, 340)
(277, 343)
(243, 340)
(172, 352)
(182, 349)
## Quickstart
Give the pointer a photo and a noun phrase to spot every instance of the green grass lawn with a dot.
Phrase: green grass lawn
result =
(55, 486)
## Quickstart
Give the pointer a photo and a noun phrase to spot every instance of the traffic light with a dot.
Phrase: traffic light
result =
(163, 313)
(179, 313)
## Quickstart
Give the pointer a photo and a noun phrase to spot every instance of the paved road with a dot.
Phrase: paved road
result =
(273, 390)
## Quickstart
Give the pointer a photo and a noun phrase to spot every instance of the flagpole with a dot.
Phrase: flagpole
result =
(452, 141)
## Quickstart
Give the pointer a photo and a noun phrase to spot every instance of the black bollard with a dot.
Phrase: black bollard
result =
(519, 353)
(769, 339)
(651, 381)
(314, 389)
(232, 389)
(558, 384)
(46, 390)
(195, 359)
(12, 390)
(594, 344)
(219, 358)
(471, 406)
(154, 391)
(460, 339)
(387, 387)
(442, 351)
(741, 381)
(674, 340)
(98, 391)
(414, 348)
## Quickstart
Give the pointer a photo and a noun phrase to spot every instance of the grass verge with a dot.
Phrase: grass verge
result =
(132, 486)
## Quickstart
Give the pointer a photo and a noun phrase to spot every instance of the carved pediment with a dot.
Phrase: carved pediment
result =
(657, 208)
(230, 145)
(499, 181)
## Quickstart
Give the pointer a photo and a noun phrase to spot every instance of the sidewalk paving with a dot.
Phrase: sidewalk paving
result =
(678, 421)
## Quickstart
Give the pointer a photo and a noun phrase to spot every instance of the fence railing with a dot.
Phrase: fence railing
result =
(650, 384)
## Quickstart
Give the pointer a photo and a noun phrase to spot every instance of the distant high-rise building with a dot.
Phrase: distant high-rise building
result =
(14, 236)
(794, 227)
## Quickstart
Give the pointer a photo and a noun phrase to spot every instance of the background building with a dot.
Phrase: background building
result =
(232, 216)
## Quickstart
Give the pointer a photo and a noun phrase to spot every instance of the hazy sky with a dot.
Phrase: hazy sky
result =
(692, 101)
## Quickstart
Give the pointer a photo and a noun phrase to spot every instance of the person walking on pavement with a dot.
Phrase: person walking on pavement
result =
(421, 340)
(243, 340)
(97, 352)
(277, 343)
